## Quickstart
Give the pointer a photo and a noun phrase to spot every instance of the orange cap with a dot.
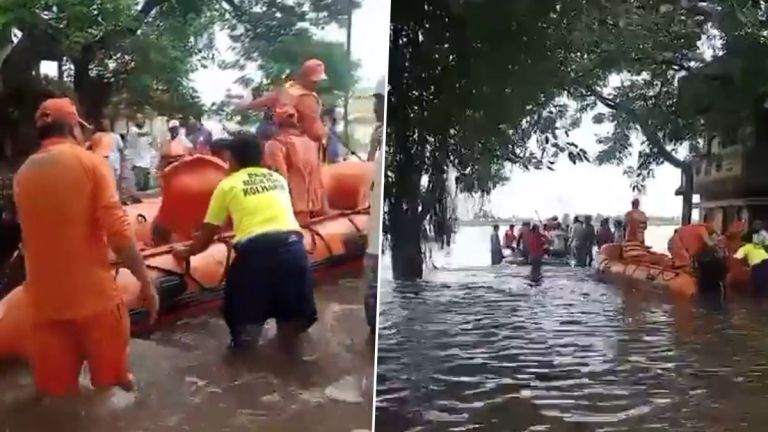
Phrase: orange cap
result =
(285, 114)
(313, 70)
(62, 109)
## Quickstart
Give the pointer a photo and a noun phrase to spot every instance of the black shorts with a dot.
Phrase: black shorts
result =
(270, 277)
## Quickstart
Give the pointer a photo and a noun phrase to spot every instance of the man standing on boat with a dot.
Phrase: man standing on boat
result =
(70, 215)
(301, 93)
(635, 222)
(297, 158)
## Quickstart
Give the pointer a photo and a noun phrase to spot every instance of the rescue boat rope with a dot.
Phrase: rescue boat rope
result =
(652, 271)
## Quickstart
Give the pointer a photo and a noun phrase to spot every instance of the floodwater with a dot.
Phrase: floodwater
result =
(475, 348)
(189, 383)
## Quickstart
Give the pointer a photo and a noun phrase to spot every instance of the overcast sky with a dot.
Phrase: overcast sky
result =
(370, 45)
(584, 188)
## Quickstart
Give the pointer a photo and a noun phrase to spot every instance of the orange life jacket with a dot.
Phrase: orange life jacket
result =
(637, 222)
(295, 156)
(688, 242)
(294, 90)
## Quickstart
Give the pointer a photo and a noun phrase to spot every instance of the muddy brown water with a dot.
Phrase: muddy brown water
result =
(189, 383)
(479, 349)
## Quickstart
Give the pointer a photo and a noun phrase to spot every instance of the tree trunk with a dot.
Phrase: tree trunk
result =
(92, 93)
(22, 90)
(405, 235)
(687, 171)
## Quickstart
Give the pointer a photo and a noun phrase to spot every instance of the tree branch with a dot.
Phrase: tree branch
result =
(649, 133)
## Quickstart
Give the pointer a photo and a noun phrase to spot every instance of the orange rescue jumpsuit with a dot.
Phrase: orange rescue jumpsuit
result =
(636, 222)
(70, 214)
(308, 107)
(297, 159)
(687, 243)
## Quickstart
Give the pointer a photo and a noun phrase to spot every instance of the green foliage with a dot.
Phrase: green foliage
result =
(289, 53)
(284, 58)
(626, 62)
(482, 87)
(146, 55)
(279, 49)
(256, 25)
(476, 88)
(123, 56)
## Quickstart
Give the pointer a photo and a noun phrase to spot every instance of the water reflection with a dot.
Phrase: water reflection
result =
(482, 349)
(188, 383)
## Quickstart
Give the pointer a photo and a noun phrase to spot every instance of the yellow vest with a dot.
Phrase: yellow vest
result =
(257, 200)
(755, 254)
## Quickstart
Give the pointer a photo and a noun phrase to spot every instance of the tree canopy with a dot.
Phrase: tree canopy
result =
(124, 56)
(483, 87)
(283, 59)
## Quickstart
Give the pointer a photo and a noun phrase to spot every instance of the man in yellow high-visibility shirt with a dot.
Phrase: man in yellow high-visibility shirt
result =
(757, 258)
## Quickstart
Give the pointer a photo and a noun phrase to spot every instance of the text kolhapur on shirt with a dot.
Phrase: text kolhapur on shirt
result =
(258, 183)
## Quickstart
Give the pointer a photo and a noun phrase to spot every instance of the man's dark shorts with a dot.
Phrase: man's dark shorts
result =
(270, 277)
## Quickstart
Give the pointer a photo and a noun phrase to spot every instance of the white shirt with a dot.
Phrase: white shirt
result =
(114, 156)
(138, 147)
(760, 237)
(374, 224)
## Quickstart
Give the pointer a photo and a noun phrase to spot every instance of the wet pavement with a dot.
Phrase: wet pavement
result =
(473, 348)
(189, 383)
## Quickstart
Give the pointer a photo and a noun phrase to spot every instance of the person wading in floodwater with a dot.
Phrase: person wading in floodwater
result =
(537, 249)
(69, 213)
(270, 276)
(756, 257)
(496, 255)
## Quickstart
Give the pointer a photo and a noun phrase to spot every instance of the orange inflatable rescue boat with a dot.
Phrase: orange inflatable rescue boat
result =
(333, 242)
(635, 262)
(656, 269)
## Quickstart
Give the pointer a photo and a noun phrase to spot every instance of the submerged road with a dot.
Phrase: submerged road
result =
(480, 349)
(189, 383)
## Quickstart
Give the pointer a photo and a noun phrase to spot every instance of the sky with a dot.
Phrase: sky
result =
(570, 189)
(370, 43)
(584, 188)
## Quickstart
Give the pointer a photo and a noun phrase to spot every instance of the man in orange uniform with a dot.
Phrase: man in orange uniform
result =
(302, 94)
(688, 242)
(636, 222)
(734, 233)
(297, 158)
(69, 214)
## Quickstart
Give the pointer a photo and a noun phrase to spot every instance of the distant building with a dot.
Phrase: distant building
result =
(730, 174)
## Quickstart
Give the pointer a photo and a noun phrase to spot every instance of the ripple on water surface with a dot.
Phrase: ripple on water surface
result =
(486, 350)
(188, 383)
